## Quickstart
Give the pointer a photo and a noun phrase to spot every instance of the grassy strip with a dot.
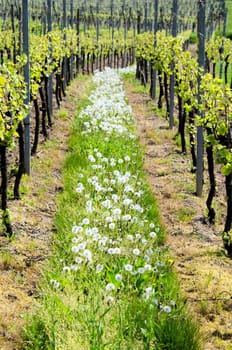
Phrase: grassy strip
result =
(229, 18)
(109, 284)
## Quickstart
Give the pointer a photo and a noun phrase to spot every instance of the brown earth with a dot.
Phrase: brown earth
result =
(200, 262)
(22, 256)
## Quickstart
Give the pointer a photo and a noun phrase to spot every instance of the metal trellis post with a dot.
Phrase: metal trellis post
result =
(50, 83)
(64, 27)
(26, 50)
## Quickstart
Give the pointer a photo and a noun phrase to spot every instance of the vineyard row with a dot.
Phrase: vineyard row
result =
(64, 54)
(204, 101)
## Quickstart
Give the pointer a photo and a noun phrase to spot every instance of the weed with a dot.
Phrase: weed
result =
(185, 214)
(51, 144)
(35, 336)
(204, 307)
(193, 38)
(7, 260)
(63, 114)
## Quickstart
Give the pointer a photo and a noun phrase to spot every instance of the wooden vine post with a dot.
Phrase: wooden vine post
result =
(153, 71)
(201, 63)
(78, 58)
(124, 61)
(72, 55)
(145, 17)
(112, 24)
(224, 14)
(172, 78)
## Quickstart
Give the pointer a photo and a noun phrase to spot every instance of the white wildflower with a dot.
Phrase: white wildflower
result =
(78, 260)
(75, 249)
(107, 204)
(108, 219)
(76, 240)
(112, 225)
(110, 287)
(141, 270)
(136, 251)
(74, 267)
(118, 277)
(88, 255)
(146, 258)
(77, 229)
(117, 251)
(99, 268)
(55, 283)
(148, 267)
(128, 267)
(127, 201)
(91, 158)
(66, 269)
(109, 299)
(85, 221)
(126, 217)
(153, 234)
(127, 158)
(115, 198)
(167, 309)
(117, 212)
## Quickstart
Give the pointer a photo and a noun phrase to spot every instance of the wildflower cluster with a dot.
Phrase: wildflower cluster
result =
(108, 113)
(112, 286)
(112, 239)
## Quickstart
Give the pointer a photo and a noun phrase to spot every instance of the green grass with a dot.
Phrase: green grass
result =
(63, 114)
(185, 214)
(229, 18)
(138, 88)
(75, 311)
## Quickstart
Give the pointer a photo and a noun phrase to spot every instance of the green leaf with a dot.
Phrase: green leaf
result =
(211, 139)
(227, 169)
(222, 128)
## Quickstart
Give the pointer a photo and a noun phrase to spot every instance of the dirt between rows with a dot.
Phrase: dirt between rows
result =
(22, 257)
(203, 270)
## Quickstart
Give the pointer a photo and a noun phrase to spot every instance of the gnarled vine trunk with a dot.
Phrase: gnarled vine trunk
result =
(227, 237)
(192, 140)
(212, 190)
(21, 166)
(44, 112)
(161, 90)
(37, 122)
(181, 127)
(228, 223)
(166, 90)
(4, 187)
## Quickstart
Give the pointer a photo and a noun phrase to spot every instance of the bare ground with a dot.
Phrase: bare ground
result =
(200, 262)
